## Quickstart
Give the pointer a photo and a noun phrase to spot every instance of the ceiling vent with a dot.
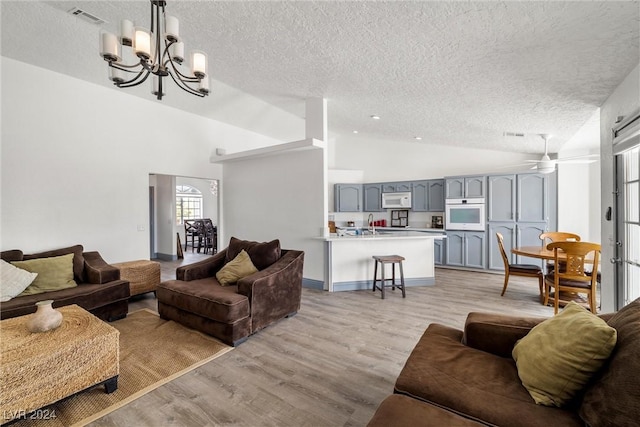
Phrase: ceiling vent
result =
(86, 16)
(518, 134)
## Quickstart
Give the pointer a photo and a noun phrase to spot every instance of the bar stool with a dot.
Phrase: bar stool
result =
(383, 260)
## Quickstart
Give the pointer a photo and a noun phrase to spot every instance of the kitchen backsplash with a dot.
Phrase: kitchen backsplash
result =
(416, 219)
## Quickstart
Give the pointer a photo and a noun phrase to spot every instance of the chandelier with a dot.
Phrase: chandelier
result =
(159, 53)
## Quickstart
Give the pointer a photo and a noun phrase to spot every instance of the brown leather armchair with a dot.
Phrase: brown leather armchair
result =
(231, 313)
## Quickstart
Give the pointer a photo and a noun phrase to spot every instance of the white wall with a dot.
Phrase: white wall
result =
(76, 159)
(406, 161)
(622, 102)
(579, 184)
(165, 214)
(279, 197)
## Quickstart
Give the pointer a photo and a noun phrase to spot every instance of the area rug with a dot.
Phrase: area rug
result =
(153, 352)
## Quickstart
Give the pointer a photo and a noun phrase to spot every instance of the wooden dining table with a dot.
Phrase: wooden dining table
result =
(542, 252)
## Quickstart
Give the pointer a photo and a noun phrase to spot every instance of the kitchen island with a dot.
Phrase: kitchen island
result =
(349, 263)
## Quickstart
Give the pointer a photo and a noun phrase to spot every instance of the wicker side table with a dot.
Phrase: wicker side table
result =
(143, 275)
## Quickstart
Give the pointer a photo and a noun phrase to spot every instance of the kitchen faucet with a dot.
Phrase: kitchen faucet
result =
(372, 227)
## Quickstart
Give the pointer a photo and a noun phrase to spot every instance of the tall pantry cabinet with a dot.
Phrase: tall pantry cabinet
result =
(520, 207)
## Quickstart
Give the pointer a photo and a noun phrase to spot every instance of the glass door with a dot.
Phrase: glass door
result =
(626, 148)
(628, 256)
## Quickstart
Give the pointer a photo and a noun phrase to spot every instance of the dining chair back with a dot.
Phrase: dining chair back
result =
(526, 270)
(574, 277)
(557, 236)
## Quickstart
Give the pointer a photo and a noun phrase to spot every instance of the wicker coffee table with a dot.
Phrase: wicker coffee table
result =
(39, 369)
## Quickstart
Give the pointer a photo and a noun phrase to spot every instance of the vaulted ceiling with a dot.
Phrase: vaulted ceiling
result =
(454, 73)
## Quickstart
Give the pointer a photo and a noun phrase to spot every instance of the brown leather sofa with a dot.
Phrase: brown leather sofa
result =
(232, 313)
(467, 378)
(100, 290)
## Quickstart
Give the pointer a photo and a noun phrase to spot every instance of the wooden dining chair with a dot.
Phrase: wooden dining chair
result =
(573, 277)
(527, 270)
(557, 236)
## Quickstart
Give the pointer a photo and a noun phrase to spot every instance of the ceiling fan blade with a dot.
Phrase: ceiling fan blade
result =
(576, 161)
(584, 156)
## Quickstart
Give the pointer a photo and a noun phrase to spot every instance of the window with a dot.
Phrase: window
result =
(188, 203)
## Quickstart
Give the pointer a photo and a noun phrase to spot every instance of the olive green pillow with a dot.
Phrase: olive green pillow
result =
(239, 267)
(556, 359)
(54, 273)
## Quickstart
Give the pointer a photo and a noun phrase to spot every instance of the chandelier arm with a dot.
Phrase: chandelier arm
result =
(124, 67)
(182, 77)
(136, 80)
(182, 85)
(170, 60)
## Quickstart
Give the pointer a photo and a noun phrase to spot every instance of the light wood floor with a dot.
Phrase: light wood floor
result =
(330, 365)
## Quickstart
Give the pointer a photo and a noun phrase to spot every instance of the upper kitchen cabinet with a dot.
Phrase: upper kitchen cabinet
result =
(520, 198)
(428, 196)
(465, 187)
(348, 197)
(436, 195)
(373, 198)
(533, 198)
(502, 198)
(396, 187)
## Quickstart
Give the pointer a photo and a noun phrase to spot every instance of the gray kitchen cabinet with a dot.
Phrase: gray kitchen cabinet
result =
(428, 196)
(522, 197)
(436, 195)
(501, 202)
(394, 187)
(508, 231)
(420, 196)
(455, 248)
(465, 187)
(373, 198)
(528, 234)
(438, 251)
(533, 198)
(475, 249)
(466, 249)
(348, 197)
(515, 234)
(518, 206)
(455, 188)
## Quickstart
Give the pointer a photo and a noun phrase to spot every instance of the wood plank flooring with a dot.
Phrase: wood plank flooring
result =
(331, 364)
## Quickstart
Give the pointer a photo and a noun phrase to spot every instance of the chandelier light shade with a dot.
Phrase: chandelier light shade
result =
(158, 52)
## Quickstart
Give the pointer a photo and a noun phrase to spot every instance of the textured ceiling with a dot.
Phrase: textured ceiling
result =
(454, 73)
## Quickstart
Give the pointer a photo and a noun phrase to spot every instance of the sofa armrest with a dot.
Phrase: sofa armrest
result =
(275, 291)
(496, 333)
(202, 269)
(96, 269)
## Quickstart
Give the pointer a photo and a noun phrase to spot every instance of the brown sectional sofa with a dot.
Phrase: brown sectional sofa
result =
(471, 375)
(100, 290)
(232, 313)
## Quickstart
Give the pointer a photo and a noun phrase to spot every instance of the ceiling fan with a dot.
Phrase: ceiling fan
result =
(548, 165)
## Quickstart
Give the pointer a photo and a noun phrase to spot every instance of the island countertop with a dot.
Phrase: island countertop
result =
(384, 235)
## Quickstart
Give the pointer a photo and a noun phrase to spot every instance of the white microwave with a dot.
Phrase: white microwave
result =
(465, 214)
(396, 200)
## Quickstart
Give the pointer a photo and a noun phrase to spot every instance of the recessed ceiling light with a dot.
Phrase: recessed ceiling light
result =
(417, 138)
(355, 131)
(374, 117)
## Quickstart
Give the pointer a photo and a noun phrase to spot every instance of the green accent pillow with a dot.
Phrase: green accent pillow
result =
(556, 359)
(239, 267)
(54, 273)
